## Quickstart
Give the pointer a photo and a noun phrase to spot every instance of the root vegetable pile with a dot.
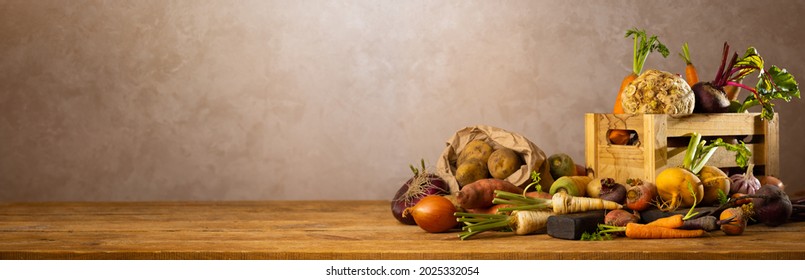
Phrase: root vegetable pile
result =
(485, 200)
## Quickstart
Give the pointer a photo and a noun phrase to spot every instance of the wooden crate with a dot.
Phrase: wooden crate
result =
(662, 140)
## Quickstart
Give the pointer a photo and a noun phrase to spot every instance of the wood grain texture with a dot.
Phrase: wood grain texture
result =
(322, 230)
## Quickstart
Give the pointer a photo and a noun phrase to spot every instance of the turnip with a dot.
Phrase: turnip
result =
(716, 184)
(420, 185)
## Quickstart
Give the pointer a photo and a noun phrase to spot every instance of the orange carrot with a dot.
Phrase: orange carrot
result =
(674, 221)
(618, 109)
(619, 136)
(732, 91)
(690, 74)
(640, 231)
(690, 71)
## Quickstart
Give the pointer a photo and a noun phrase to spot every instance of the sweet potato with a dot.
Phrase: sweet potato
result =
(480, 194)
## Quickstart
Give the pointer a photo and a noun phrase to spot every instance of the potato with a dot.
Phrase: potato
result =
(475, 149)
(503, 162)
(470, 171)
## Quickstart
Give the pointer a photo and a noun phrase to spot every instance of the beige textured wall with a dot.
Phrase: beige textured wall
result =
(241, 100)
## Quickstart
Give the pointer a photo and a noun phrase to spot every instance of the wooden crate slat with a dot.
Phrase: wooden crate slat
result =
(772, 147)
(715, 124)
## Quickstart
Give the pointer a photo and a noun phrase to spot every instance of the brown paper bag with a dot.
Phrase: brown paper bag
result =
(533, 157)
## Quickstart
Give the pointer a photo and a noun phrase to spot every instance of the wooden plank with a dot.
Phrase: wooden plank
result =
(620, 121)
(322, 230)
(654, 143)
(591, 141)
(716, 124)
(772, 148)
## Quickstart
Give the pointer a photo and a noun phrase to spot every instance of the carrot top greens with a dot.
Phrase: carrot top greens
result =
(643, 45)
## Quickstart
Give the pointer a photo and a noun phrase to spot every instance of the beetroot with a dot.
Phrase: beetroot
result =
(621, 217)
(419, 186)
(772, 206)
(613, 192)
(709, 98)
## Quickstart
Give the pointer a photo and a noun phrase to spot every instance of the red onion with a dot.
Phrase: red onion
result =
(419, 186)
(744, 183)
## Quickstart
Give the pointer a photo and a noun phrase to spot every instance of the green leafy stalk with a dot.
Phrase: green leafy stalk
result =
(742, 152)
(519, 202)
(643, 45)
(690, 153)
(477, 223)
(690, 213)
(534, 182)
(704, 153)
(606, 229)
(776, 83)
(722, 197)
(685, 53)
(699, 152)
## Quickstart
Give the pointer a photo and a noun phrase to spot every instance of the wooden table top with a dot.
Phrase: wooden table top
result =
(322, 230)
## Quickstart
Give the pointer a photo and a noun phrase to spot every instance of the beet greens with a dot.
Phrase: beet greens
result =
(774, 83)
